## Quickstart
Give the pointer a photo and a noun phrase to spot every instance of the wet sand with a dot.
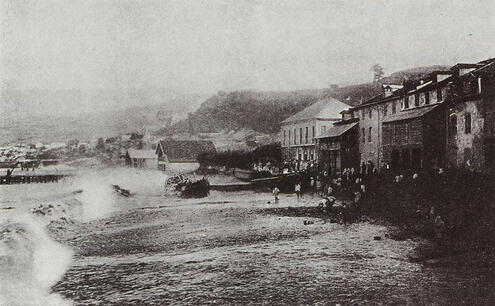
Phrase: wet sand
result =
(235, 249)
(227, 249)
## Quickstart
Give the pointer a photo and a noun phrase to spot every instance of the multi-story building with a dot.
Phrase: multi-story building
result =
(392, 127)
(338, 146)
(470, 113)
(299, 132)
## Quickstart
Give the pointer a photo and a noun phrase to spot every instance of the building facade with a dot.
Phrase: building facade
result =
(471, 117)
(182, 155)
(338, 147)
(299, 132)
(392, 108)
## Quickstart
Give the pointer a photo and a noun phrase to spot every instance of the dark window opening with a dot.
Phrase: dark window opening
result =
(370, 113)
(369, 134)
(416, 99)
(406, 102)
(300, 136)
(439, 94)
(306, 136)
(467, 123)
(363, 134)
(427, 97)
(394, 107)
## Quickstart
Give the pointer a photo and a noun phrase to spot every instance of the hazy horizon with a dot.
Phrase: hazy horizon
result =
(199, 48)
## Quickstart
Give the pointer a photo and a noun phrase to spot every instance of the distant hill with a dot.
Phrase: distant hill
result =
(263, 111)
(47, 115)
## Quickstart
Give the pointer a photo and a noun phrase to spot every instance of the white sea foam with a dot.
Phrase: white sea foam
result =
(30, 262)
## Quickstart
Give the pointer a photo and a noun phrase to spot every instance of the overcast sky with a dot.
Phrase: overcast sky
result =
(205, 46)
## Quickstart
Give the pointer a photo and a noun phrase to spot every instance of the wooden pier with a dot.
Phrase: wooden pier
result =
(31, 178)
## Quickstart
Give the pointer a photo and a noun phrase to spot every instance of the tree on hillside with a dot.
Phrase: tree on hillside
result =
(378, 73)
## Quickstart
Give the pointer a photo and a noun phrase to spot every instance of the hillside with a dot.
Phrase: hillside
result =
(262, 111)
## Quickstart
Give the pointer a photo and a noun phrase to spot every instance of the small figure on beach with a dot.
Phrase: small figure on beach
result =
(318, 185)
(297, 189)
(439, 229)
(312, 185)
(275, 192)
(431, 215)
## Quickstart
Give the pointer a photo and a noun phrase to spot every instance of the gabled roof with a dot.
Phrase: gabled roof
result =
(185, 150)
(328, 108)
(141, 154)
(410, 114)
(338, 130)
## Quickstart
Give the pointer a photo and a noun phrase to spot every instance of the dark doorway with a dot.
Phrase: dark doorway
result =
(395, 159)
(406, 159)
(416, 159)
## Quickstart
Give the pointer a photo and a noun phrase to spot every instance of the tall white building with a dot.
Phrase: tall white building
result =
(299, 132)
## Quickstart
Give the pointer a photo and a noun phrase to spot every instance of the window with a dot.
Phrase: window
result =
(394, 107)
(306, 135)
(323, 128)
(284, 137)
(313, 139)
(369, 134)
(295, 137)
(406, 102)
(467, 123)
(363, 135)
(416, 100)
(427, 97)
(385, 110)
(300, 136)
(370, 112)
(453, 125)
(439, 94)
(289, 136)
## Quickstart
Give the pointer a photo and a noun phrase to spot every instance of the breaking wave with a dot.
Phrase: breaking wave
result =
(31, 262)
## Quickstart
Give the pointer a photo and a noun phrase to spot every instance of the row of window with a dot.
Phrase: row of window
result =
(301, 137)
(363, 134)
(424, 98)
(467, 124)
(369, 112)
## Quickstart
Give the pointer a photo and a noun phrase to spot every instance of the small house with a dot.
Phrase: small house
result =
(182, 155)
(141, 158)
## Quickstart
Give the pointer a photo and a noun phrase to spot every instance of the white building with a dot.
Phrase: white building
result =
(299, 132)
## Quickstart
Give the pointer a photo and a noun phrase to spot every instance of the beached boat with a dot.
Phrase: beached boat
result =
(284, 182)
(244, 175)
(198, 189)
(248, 175)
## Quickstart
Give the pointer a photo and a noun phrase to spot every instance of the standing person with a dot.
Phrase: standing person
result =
(439, 228)
(318, 185)
(275, 192)
(312, 185)
(297, 189)
(330, 190)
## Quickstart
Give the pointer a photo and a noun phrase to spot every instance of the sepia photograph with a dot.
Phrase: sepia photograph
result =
(247, 152)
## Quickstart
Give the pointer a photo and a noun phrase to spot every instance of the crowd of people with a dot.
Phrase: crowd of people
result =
(362, 190)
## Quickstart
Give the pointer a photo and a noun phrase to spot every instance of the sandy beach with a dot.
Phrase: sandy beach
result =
(233, 248)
